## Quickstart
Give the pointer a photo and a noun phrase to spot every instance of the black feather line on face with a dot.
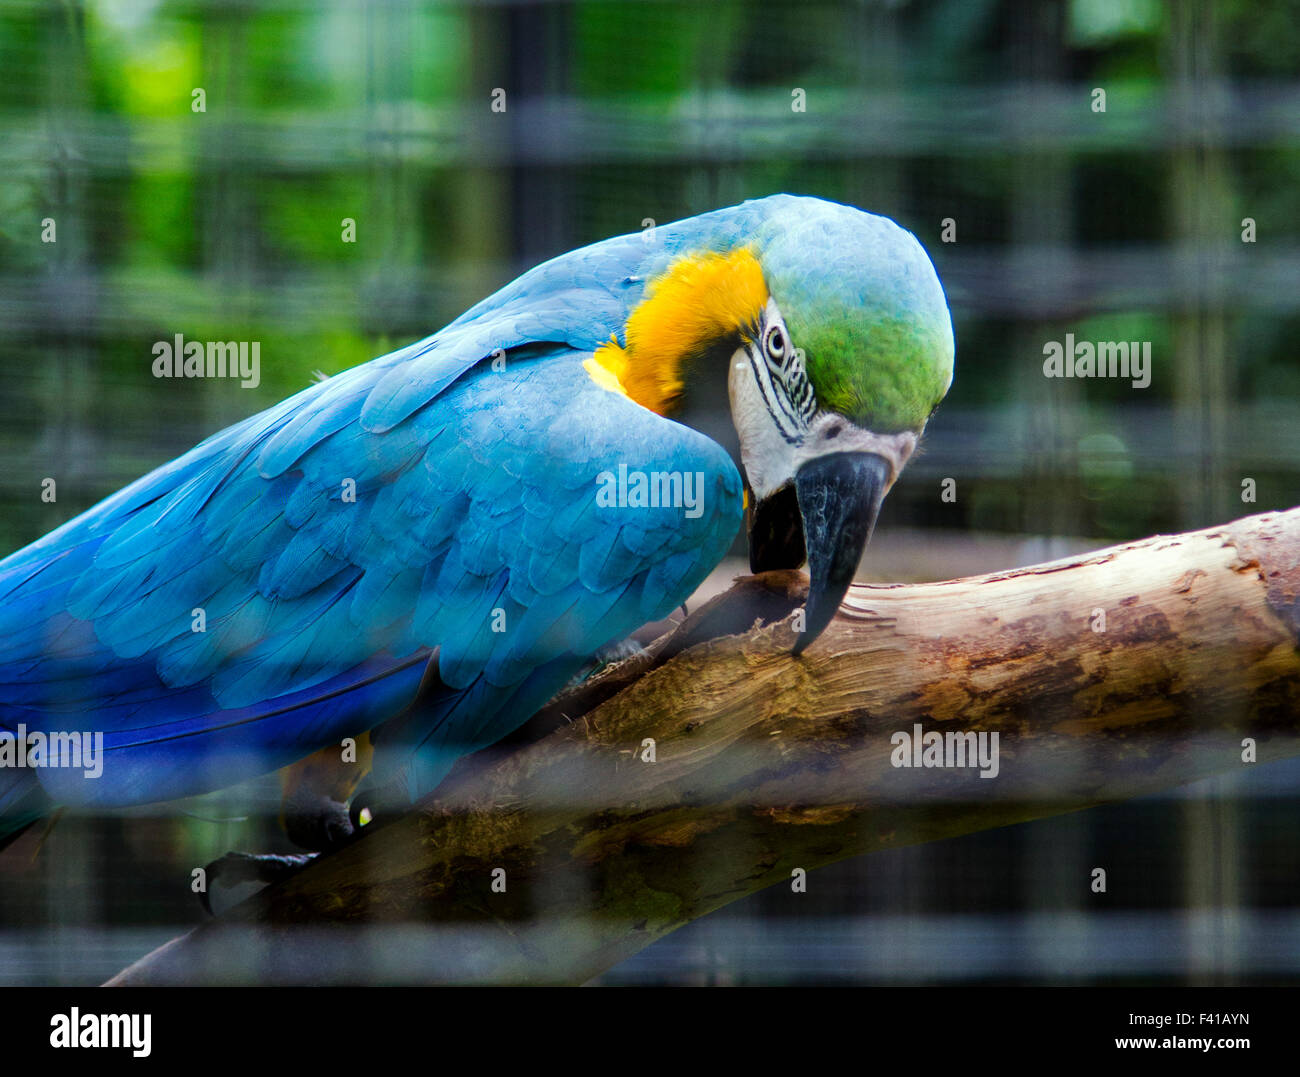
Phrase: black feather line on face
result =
(769, 391)
(789, 378)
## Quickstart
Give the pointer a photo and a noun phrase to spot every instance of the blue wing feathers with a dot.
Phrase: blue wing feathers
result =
(426, 500)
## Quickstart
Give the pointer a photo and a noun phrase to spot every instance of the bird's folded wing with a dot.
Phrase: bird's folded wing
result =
(284, 584)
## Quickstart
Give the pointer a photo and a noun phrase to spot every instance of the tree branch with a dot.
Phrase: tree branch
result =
(1105, 676)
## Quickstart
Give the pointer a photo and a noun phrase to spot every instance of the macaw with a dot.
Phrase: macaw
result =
(419, 552)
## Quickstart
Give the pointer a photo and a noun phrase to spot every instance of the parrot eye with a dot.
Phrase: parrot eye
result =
(784, 381)
(776, 343)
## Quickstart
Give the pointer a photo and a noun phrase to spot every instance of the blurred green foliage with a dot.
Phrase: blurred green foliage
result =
(227, 223)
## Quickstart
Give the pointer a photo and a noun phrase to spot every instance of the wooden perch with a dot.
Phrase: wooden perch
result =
(1106, 676)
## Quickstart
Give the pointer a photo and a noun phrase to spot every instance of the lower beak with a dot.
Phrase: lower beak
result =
(839, 500)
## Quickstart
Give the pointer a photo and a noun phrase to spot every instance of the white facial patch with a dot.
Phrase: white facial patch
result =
(777, 420)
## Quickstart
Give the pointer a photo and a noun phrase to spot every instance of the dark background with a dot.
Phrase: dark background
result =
(1125, 224)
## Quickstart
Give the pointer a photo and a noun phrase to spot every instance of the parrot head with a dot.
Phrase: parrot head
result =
(840, 347)
(831, 391)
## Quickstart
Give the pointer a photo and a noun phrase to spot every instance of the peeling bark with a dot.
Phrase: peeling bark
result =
(765, 763)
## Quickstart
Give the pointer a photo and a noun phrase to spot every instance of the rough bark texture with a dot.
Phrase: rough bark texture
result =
(765, 763)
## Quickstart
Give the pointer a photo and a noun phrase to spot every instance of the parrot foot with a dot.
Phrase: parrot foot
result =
(316, 822)
(235, 869)
(311, 821)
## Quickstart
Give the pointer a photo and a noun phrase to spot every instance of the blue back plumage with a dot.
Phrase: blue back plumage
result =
(429, 501)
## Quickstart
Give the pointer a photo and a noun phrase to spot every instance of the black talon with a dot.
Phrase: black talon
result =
(236, 868)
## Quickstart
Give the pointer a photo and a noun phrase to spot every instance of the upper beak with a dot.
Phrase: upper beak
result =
(839, 500)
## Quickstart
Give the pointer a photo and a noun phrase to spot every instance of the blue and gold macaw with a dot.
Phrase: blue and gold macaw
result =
(427, 547)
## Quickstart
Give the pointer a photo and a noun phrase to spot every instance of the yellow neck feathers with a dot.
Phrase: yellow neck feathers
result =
(700, 299)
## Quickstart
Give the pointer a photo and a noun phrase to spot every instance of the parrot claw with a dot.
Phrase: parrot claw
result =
(316, 822)
(235, 869)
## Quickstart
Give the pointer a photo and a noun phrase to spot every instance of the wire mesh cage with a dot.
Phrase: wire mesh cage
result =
(335, 180)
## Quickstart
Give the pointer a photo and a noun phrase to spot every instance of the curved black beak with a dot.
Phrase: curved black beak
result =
(839, 500)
